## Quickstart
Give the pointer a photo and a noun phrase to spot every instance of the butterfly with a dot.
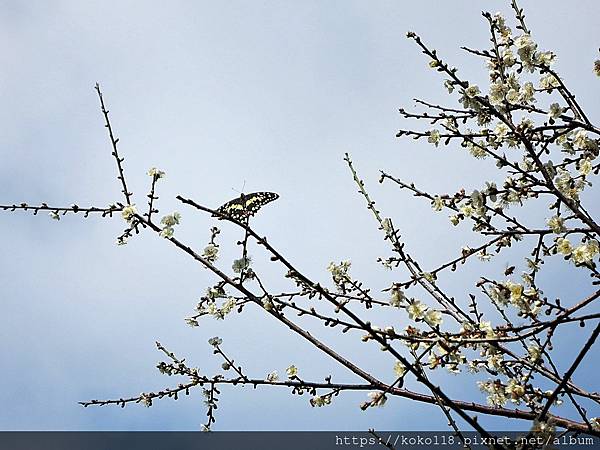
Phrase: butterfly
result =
(246, 205)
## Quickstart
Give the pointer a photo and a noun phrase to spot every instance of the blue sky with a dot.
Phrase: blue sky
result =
(218, 94)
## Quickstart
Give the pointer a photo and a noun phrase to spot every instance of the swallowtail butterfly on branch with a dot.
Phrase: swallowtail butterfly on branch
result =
(247, 205)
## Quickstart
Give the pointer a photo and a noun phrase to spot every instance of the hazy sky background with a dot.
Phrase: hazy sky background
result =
(217, 94)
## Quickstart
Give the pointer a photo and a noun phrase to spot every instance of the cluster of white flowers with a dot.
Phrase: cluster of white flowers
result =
(578, 141)
(500, 24)
(581, 141)
(437, 203)
(146, 400)
(469, 98)
(498, 394)
(267, 303)
(320, 401)
(585, 167)
(549, 82)
(535, 353)
(563, 246)
(292, 371)
(272, 376)
(339, 272)
(417, 311)
(168, 222)
(397, 296)
(515, 390)
(511, 92)
(155, 173)
(526, 300)
(449, 355)
(543, 430)
(209, 304)
(472, 91)
(241, 264)
(528, 54)
(501, 131)
(582, 254)
(484, 328)
(555, 111)
(211, 253)
(215, 341)
(377, 398)
(556, 224)
(477, 149)
(526, 49)
(434, 137)
(567, 185)
(129, 212)
(215, 292)
(227, 307)
(400, 369)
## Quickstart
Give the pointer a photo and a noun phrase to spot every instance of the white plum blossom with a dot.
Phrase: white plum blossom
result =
(210, 253)
(563, 246)
(292, 371)
(434, 137)
(472, 91)
(527, 93)
(515, 390)
(584, 253)
(585, 167)
(546, 58)
(156, 173)
(549, 81)
(556, 224)
(581, 139)
(339, 272)
(377, 398)
(168, 222)
(129, 212)
(555, 111)
(497, 92)
(416, 310)
(397, 297)
(501, 130)
(399, 369)
(437, 203)
(272, 376)
(526, 50)
(320, 401)
(496, 395)
(215, 341)
(433, 318)
(512, 96)
(535, 352)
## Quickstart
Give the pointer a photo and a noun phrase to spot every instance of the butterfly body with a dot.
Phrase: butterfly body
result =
(246, 205)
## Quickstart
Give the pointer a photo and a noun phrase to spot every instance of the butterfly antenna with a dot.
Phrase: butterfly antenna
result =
(242, 191)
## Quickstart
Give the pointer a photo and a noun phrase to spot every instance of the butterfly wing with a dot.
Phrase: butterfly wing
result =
(247, 205)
